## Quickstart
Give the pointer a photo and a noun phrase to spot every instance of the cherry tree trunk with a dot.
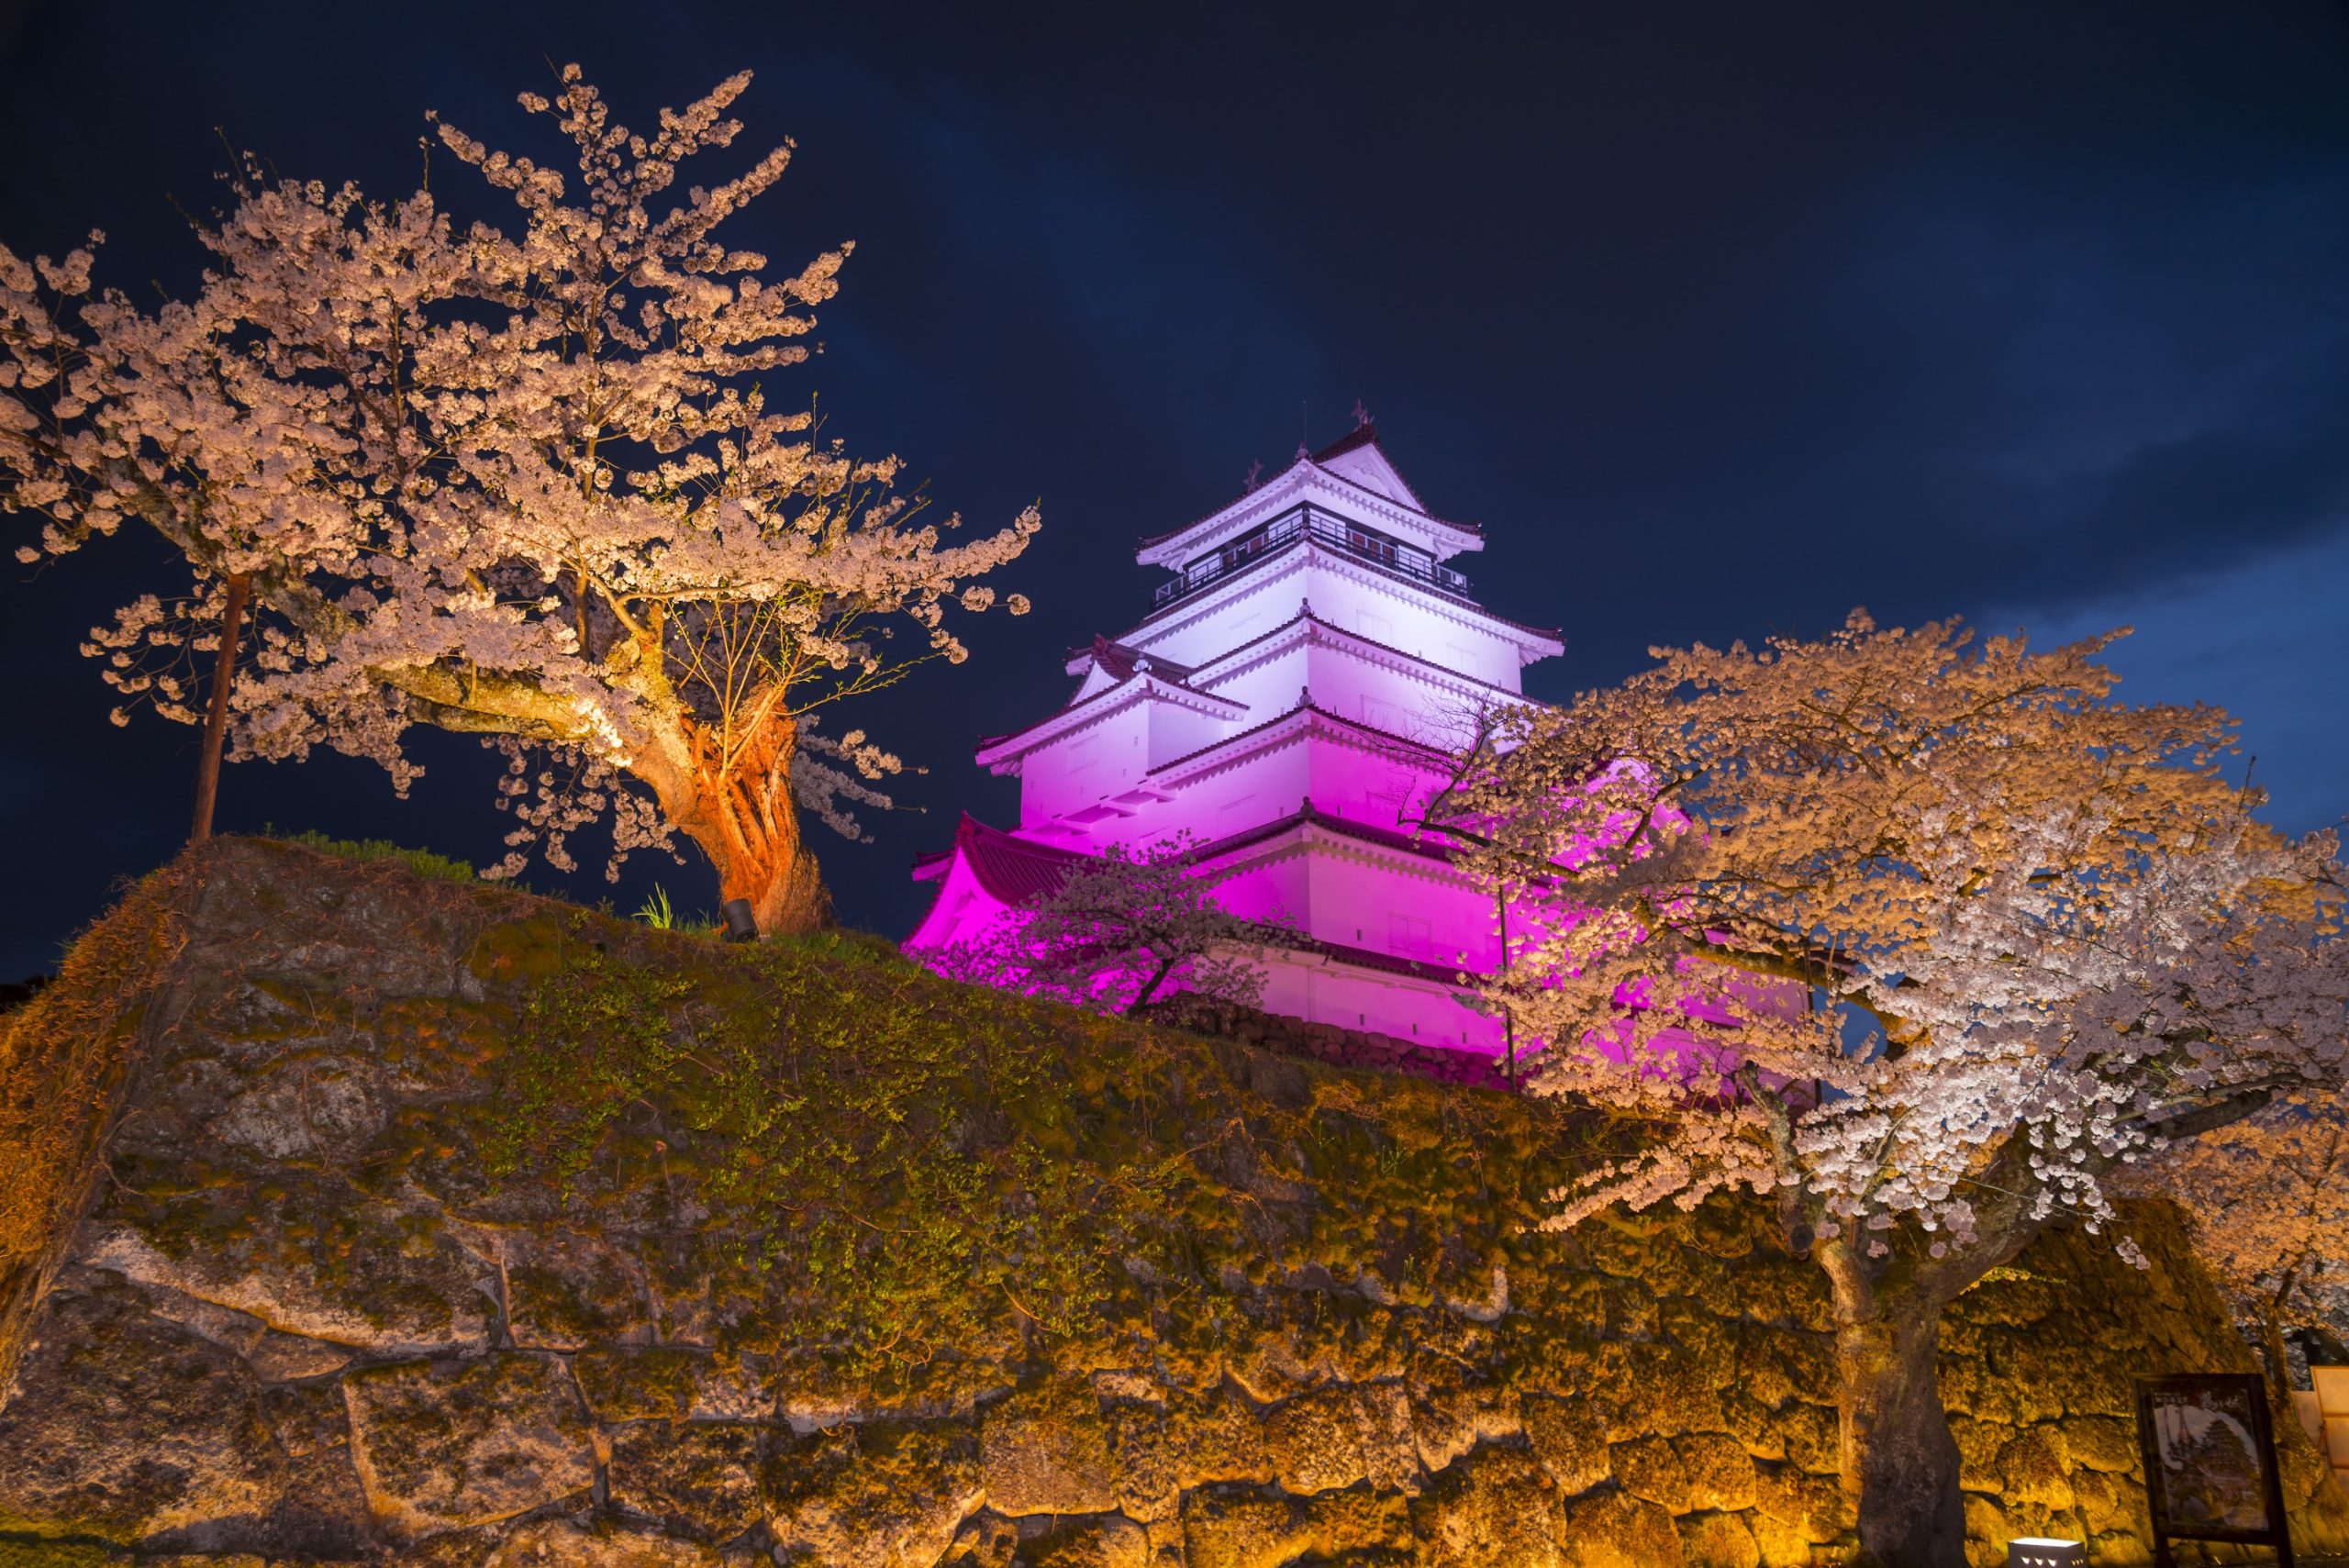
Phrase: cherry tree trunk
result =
(216, 717)
(2279, 1365)
(738, 805)
(1899, 1461)
(784, 885)
(760, 857)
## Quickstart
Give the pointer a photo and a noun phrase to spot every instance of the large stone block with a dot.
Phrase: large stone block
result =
(1242, 1530)
(441, 1445)
(1390, 1446)
(627, 1382)
(1214, 1439)
(1703, 1337)
(1454, 1409)
(1141, 1441)
(1316, 1441)
(1280, 1343)
(2103, 1442)
(875, 1496)
(1812, 1435)
(2107, 1504)
(699, 1478)
(1614, 1529)
(325, 1512)
(1720, 1473)
(1718, 1541)
(1570, 1440)
(1654, 1390)
(1978, 1445)
(565, 1290)
(2035, 1469)
(123, 1425)
(1755, 1425)
(306, 1107)
(1107, 1541)
(1649, 1470)
(1046, 1451)
(1248, 1530)
(1813, 1506)
(308, 1255)
(1497, 1506)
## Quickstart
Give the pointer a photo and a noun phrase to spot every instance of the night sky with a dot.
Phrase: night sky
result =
(1720, 320)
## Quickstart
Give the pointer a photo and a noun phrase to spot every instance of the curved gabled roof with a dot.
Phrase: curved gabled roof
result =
(1012, 868)
(1117, 662)
(1017, 872)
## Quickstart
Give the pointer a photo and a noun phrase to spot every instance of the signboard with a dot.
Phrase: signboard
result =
(2210, 1461)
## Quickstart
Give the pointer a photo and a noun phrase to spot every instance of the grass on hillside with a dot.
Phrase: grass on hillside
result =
(424, 863)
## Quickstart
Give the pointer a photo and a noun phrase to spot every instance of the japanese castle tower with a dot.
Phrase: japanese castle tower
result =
(1286, 701)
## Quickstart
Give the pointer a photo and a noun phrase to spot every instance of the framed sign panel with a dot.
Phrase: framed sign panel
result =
(2210, 1461)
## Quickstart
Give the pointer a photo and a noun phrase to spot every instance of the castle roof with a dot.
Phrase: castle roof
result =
(1020, 870)
(1013, 869)
(1357, 461)
(1360, 459)
(1143, 677)
(1118, 662)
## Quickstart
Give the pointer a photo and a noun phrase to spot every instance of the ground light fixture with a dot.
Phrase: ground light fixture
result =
(2045, 1551)
(740, 926)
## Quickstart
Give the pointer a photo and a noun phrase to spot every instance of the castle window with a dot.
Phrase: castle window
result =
(1407, 934)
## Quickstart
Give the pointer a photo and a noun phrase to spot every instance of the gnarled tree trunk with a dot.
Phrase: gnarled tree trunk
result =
(774, 872)
(738, 807)
(1899, 1461)
(1899, 1457)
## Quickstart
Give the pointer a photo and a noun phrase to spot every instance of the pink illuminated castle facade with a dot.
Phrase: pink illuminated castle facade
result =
(1287, 702)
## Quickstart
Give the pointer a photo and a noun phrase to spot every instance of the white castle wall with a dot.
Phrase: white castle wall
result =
(1345, 594)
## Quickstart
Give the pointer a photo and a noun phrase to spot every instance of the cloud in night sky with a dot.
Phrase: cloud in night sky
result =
(2266, 641)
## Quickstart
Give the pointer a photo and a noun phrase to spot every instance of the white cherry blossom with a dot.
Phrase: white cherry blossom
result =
(1923, 935)
(535, 483)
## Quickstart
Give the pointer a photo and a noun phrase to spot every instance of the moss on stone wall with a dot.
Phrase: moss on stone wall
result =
(64, 1058)
(462, 1227)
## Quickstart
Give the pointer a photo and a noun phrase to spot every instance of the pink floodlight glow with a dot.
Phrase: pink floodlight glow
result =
(1290, 702)
(1296, 695)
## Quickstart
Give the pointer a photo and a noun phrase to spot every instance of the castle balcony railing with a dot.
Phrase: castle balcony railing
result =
(1302, 522)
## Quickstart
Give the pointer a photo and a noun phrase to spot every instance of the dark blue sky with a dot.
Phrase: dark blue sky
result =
(1721, 320)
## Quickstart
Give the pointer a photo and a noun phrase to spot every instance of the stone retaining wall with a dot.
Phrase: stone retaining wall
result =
(1334, 1045)
(297, 1324)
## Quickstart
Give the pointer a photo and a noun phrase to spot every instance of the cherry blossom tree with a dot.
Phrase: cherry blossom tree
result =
(2269, 1197)
(1924, 935)
(1127, 928)
(527, 482)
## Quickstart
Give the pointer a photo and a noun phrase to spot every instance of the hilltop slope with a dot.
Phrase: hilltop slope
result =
(365, 1216)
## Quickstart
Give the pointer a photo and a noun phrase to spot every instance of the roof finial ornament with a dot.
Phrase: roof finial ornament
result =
(1255, 476)
(1361, 415)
